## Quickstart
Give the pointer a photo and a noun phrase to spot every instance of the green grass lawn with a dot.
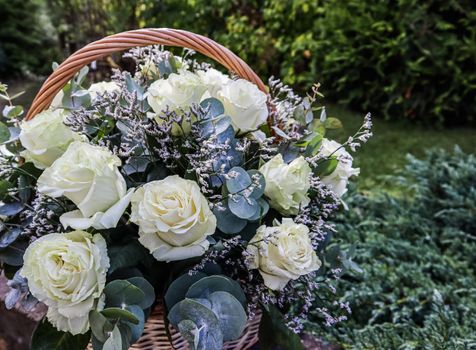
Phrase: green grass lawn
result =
(385, 152)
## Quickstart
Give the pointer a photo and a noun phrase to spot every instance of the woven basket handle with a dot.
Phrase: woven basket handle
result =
(141, 37)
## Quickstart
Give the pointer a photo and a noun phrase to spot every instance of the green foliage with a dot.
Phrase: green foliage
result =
(273, 332)
(122, 321)
(407, 58)
(210, 312)
(25, 43)
(47, 337)
(417, 252)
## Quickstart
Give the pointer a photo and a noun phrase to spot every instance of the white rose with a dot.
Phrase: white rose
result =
(45, 138)
(67, 272)
(338, 179)
(177, 92)
(99, 89)
(287, 184)
(88, 175)
(282, 253)
(214, 80)
(244, 103)
(174, 218)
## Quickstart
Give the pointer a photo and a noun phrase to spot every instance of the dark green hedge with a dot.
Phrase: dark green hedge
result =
(412, 59)
(25, 45)
(418, 253)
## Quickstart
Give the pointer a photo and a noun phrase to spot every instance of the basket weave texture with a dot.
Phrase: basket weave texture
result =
(155, 336)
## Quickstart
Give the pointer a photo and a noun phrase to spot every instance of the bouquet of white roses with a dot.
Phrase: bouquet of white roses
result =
(177, 183)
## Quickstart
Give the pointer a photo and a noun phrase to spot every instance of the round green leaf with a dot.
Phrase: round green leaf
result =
(214, 107)
(146, 288)
(114, 342)
(122, 293)
(179, 287)
(136, 329)
(10, 209)
(211, 284)
(9, 237)
(239, 182)
(227, 222)
(118, 313)
(259, 190)
(244, 208)
(210, 336)
(4, 133)
(230, 313)
(100, 325)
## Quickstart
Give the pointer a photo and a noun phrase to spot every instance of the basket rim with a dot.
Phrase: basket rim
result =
(139, 38)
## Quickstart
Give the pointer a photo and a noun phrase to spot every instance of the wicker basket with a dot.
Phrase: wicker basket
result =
(155, 334)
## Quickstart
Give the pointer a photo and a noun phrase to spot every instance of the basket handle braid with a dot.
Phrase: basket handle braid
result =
(136, 38)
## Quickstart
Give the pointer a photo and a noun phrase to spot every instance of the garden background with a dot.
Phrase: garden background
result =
(412, 63)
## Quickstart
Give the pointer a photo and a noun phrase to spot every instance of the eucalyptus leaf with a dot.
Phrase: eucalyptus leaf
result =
(218, 126)
(125, 256)
(239, 182)
(323, 116)
(146, 288)
(24, 189)
(13, 254)
(12, 297)
(227, 222)
(14, 133)
(189, 331)
(230, 314)
(4, 133)
(210, 336)
(126, 334)
(10, 236)
(263, 209)
(166, 66)
(179, 287)
(134, 87)
(213, 106)
(136, 165)
(12, 111)
(100, 325)
(114, 342)
(136, 329)
(118, 313)
(259, 190)
(122, 293)
(207, 285)
(82, 75)
(244, 208)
